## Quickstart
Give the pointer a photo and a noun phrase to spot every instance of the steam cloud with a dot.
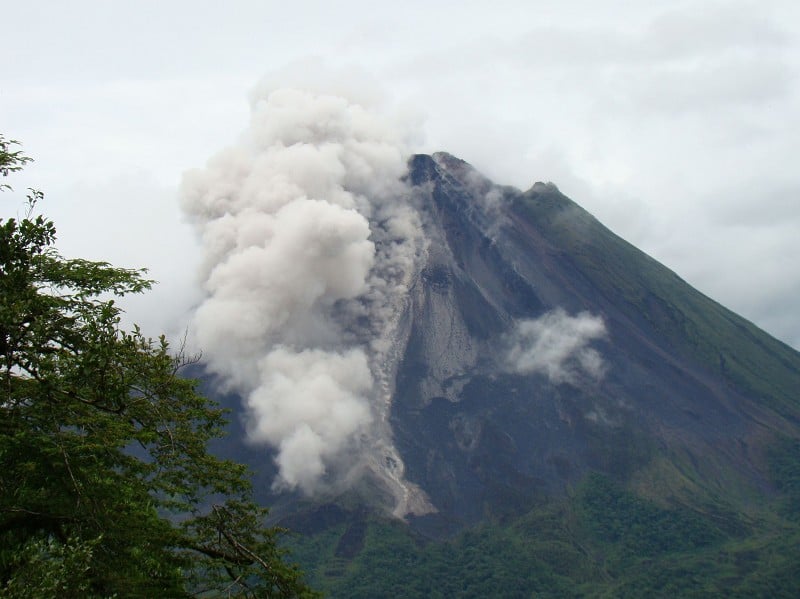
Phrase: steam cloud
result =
(557, 346)
(289, 412)
(306, 259)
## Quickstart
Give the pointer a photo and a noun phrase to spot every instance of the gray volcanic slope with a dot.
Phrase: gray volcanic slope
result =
(680, 399)
(688, 399)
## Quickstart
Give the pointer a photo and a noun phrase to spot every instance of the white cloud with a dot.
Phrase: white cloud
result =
(556, 345)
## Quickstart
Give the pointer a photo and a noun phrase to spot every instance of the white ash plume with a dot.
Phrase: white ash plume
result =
(310, 246)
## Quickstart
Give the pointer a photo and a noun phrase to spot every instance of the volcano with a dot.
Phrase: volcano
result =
(562, 396)
(683, 396)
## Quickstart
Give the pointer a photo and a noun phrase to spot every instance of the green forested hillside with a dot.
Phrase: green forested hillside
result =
(602, 541)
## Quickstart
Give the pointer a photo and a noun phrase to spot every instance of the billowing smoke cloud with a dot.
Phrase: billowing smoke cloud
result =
(308, 253)
(557, 346)
(309, 404)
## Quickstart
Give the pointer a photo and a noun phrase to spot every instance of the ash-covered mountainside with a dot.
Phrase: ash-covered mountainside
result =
(542, 346)
(531, 346)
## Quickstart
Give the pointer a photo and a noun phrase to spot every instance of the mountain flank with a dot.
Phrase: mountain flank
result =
(582, 421)
(690, 397)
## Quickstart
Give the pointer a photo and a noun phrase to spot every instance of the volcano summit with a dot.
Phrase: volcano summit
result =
(542, 347)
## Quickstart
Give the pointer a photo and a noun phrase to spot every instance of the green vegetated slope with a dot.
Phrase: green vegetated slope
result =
(601, 541)
(693, 326)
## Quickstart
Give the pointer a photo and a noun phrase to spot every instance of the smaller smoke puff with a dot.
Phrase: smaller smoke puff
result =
(557, 346)
(309, 405)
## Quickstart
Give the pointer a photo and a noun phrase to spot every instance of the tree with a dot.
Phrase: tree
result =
(106, 485)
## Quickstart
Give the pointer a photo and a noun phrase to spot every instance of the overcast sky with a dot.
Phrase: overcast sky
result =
(677, 124)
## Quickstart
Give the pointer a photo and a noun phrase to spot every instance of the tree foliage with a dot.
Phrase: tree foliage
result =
(106, 485)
